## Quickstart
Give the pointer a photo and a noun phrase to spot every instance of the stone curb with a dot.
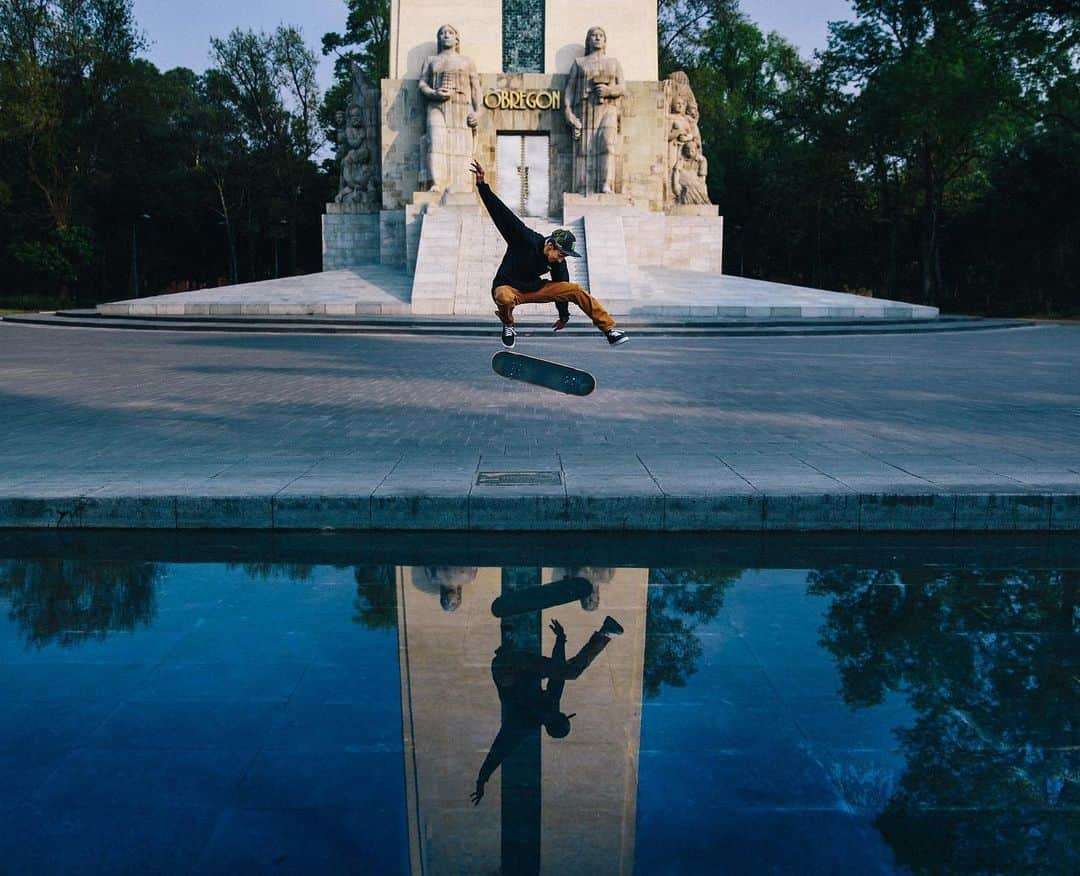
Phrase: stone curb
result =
(630, 511)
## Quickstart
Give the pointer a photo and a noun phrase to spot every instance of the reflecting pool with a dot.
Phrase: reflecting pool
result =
(440, 705)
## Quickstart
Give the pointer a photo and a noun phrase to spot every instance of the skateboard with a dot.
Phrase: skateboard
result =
(539, 598)
(541, 372)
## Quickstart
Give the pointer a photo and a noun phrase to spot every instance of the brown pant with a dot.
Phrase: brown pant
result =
(507, 298)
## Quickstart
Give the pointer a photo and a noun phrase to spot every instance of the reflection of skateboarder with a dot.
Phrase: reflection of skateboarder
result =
(529, 255)
(526, 704)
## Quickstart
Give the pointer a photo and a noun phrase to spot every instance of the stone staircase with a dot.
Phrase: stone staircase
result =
(459, 252)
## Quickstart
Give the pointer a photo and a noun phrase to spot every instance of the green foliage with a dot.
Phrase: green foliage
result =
(67, 602)
(185, 180)
(896, 160)
(376, 597)
(929, 153)
(365, 41)
(363, 49)
(679, 601)
(987, 660)
(57, 259)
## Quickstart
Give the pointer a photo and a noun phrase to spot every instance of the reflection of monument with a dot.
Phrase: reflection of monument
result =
(448, 581)
(451, 87)
(549, 790)
(592, 110)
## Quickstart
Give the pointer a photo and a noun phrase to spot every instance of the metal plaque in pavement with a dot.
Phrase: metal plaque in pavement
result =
(519, 478)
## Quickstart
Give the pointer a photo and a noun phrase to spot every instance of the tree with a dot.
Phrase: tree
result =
(376, 597)
(365, 45)
(679, 600)
(987, 660)
(60, 61)
(365, 41)
(67, 602)
(931, 106)
(681, 25)
(267, 83)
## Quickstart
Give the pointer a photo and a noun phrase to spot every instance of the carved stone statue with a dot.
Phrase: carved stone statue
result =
(450, 85)
(687, 166)
(591, 103)
(356, 148)
(688, 176)
(681, 130)
(678, 85)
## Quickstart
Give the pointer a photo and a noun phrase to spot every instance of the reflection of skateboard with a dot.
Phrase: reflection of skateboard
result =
(539, 598)
(561, 378)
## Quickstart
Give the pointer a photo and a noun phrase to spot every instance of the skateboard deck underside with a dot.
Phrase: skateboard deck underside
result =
(540, 598)
(541, 372)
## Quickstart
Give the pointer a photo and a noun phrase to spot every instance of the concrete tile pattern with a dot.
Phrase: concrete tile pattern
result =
(160, 429)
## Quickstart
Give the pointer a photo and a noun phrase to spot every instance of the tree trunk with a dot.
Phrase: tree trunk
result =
(931, 267)
(230, 238)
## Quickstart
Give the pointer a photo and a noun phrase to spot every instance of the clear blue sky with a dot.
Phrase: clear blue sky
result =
(179, 31)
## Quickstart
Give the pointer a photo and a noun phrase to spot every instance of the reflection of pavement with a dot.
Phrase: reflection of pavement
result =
(587, 781)
(167, 429)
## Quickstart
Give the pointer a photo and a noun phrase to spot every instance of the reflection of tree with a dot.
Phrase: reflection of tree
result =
(989, 662)
(265, 571)
(376, 597)
(69, 601)
(679, 600)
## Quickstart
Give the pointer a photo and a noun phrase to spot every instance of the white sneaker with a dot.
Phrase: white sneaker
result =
(508, 335)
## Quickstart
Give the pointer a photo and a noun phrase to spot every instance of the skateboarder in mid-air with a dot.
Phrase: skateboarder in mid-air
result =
(527, 705)
(529, 255)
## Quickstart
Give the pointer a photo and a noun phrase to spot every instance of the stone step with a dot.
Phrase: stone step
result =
(459, 254)
(533, 327)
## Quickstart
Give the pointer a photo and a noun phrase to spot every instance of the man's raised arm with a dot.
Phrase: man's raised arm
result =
(505, 742)
(510, 226)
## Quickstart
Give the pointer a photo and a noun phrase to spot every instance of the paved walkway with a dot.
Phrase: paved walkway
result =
(945, 431)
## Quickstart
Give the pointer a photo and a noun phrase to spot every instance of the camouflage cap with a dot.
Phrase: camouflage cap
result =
(564, 241)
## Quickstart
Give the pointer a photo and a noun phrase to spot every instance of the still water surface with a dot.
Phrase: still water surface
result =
(834, 716)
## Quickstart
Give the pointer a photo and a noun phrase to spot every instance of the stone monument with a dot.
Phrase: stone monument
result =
(688, 176)
(351, 223)
(569, 134)
(450, 87)
(687, 166)
(591, 104)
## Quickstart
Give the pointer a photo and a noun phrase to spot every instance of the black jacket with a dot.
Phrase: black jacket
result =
(524, 262)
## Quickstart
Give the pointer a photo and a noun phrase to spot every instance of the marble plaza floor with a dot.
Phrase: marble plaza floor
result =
(964, 431)
(381, 290)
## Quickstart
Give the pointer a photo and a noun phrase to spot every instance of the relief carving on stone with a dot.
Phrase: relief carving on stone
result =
(687, 165)
(450, 87)
(592, 105)
(357, 149)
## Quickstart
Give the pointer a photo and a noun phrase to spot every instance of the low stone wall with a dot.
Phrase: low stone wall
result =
(349, 237)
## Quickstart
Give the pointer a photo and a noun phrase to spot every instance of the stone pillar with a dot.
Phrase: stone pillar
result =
(351, 223)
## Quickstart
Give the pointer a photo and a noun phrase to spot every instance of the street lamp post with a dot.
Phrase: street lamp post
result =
(145, 217)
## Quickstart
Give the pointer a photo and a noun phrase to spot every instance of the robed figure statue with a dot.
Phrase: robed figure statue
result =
(591, 103)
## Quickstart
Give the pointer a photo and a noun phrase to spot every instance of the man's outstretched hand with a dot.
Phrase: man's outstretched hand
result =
(557, 629)
(560, 324)
(477, 795)
(478, 171)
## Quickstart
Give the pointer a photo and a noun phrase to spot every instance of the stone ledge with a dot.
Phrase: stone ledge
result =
(580, 511)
